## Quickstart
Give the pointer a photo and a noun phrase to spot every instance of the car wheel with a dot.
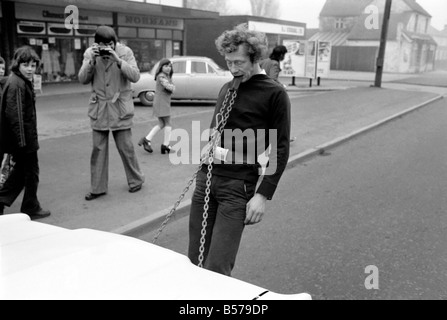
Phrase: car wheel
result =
(146, 98)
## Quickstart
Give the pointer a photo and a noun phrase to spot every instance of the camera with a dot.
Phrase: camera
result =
(103, 52)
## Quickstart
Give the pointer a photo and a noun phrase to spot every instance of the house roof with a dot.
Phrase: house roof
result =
(417, 7)
(353, 8)
(344, 8)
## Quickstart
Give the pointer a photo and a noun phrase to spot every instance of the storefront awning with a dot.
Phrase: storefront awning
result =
(335, 38)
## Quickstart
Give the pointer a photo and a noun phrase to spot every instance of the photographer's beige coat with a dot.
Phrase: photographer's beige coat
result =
(111, 104)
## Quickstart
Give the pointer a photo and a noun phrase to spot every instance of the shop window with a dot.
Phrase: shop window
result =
(61, 58)
(147, 52)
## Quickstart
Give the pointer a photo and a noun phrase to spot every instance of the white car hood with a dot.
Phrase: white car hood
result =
(39, 261)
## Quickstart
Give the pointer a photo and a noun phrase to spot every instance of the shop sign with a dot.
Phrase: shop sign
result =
(57, 14)
(148, 21)
(276, 28)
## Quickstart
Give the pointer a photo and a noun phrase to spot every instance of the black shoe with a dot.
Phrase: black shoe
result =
(146, 144)
(2, 209)
(135, 189)
(39, 215)
(165, 149)
(92, 196)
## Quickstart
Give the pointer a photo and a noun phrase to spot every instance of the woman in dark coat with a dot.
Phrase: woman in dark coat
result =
(162, 106)
(18, 134)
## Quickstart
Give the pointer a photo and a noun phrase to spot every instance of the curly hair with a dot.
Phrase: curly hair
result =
(255, 42)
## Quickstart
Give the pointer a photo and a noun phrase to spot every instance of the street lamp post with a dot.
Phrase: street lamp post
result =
(383, 39)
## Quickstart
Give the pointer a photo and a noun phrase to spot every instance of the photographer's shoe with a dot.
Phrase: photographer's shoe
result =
(92, 196)
(135, 189)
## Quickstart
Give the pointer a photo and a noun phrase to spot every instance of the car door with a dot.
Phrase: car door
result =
(180, 79)
(205, 81)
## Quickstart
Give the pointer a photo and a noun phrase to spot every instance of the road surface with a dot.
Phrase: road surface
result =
(379, 200)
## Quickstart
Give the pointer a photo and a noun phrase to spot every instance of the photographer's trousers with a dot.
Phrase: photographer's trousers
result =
(100, 160)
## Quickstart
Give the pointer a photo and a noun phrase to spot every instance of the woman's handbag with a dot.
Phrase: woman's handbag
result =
(7, 167)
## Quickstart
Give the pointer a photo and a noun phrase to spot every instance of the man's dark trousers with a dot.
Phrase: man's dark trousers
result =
(225, 224)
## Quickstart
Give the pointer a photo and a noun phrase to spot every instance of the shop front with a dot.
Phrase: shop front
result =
(151, 31)
(60, 49)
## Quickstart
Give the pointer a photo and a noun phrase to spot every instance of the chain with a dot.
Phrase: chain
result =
(214, 141)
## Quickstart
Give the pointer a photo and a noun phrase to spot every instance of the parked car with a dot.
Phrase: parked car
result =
(45, 262)
(195, 78)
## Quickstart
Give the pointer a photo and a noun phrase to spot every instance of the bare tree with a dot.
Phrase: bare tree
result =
(220, 6)
(266, 8)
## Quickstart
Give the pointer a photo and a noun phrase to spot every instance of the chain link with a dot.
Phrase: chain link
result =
(215, 138)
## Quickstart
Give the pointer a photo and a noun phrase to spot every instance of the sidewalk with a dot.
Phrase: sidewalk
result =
(435, 78)
(319, 122)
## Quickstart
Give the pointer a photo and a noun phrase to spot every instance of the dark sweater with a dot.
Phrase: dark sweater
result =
(261, 105)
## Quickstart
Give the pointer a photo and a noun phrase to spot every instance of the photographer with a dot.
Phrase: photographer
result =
(110, 67)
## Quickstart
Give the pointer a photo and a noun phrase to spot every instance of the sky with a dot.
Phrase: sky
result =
(307, 11)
